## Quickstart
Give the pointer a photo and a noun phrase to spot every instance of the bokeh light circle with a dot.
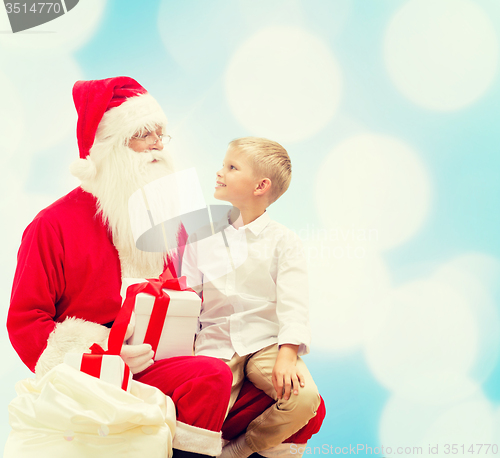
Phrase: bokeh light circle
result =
(405, 423)
(283, 83)
(469, 422)
(46, 101)
(374, 183)
(346, 287)
(429, 329)
(476, 276)
(441, 54)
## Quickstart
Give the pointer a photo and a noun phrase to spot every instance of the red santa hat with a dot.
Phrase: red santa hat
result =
(113, 109)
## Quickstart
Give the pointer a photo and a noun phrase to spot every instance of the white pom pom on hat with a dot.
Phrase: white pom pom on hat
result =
(84, 169)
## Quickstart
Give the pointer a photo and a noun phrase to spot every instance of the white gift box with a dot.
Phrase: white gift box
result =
(110, 368)
(181, 322)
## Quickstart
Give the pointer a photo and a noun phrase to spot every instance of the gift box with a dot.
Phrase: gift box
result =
(180, 324)
(108, 368)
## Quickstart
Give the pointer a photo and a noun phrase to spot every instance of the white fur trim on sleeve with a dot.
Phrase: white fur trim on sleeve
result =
(198, 440)
(72, 335)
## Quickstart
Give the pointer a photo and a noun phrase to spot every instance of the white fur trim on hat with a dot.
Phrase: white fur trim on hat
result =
(198, 440)
(132, 115)
(72, 335)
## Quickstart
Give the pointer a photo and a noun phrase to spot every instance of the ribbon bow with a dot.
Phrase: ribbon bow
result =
(155, 287)
(92, 362)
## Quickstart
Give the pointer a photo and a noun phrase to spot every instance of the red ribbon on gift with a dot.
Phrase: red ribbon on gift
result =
(92, 363)
(153, 286)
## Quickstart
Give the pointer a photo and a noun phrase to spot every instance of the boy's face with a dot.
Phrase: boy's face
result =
(235, 180)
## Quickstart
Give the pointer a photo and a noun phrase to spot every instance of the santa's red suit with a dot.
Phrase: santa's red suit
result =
(69, 267)
(66, 291)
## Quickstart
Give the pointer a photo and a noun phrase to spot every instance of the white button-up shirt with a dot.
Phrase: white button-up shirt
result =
(255, 290)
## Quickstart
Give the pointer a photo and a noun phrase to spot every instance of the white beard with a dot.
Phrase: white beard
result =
(121, 172)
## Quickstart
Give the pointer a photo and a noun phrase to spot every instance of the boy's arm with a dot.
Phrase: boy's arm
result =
(292, 296)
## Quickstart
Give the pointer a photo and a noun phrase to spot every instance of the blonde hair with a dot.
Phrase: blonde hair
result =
(268, 160)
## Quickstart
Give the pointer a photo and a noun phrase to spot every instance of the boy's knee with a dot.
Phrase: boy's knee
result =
(305, 404)
(309, 399)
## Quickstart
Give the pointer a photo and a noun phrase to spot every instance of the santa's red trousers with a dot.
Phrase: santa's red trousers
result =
(191, 382)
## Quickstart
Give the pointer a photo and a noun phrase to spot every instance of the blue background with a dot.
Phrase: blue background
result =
(182, 53)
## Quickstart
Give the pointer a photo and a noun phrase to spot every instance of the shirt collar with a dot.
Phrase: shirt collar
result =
(257, 225)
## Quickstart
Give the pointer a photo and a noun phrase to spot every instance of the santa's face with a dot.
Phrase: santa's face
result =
(141, 142)
(122, 170)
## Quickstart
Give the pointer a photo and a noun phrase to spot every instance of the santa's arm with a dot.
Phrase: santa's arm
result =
(38, 284)
(72, 335)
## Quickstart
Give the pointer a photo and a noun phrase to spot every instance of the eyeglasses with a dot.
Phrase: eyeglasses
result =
(151, 140)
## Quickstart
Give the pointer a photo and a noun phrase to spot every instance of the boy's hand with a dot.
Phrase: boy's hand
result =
(286, 376)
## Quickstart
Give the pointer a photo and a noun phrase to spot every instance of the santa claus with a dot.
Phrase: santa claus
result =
(66, 291)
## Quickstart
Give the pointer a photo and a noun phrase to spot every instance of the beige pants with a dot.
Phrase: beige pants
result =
(283, 418)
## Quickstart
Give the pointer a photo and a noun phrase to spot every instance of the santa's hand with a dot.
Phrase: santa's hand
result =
(137, 357)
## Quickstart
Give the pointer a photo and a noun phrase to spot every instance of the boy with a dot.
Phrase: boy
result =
(254, 283)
